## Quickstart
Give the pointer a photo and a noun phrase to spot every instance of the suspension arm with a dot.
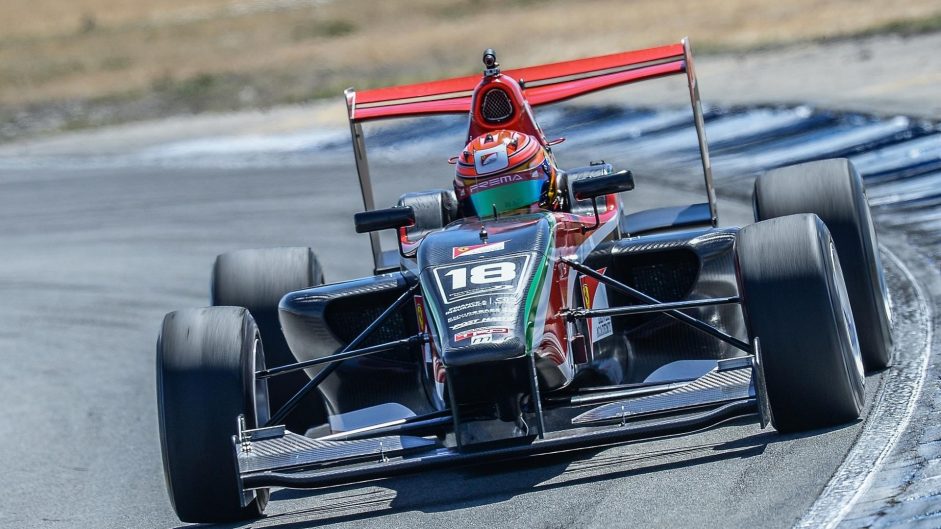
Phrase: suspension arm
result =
(339, 357)
(292, 403)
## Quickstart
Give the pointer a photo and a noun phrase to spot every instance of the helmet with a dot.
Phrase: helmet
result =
(504, 171)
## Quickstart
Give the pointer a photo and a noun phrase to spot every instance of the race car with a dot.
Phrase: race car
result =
(525, 310)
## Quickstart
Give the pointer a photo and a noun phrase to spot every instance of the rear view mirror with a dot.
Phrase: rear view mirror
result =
(384, 219)
(596, 186)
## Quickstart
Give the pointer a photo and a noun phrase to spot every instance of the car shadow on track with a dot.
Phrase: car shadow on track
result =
(492, 483)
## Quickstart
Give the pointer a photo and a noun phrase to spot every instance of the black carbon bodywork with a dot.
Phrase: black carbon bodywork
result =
(319, 321)
(671, 266)
(666, 219)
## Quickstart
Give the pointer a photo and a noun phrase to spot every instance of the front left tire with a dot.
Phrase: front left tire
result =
(257, 279)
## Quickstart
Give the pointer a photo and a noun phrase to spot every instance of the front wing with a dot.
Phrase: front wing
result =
(273, 457)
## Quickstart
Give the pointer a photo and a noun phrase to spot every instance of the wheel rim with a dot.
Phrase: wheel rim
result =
(880, 271)
(260, 397)
(262, 412)
(847, 310)
(886, 297)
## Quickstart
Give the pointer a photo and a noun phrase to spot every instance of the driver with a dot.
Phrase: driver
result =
(505, 172)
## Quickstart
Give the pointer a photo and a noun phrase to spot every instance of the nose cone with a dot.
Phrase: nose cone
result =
(487, 308)
(483, 293)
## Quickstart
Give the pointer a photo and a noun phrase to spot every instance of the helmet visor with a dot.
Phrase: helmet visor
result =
(505, 193)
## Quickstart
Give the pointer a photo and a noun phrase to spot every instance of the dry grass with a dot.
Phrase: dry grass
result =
(252, 51)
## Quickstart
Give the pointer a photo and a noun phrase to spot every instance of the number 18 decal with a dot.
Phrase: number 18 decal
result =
(463, 281)
(483, 274)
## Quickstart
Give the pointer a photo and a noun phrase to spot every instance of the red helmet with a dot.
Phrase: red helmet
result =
(504, 171)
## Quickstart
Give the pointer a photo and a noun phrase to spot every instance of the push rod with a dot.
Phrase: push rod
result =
(581, 314)
(339, 357)
(673, 313)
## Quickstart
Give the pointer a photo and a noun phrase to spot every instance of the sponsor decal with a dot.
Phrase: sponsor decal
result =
(420, 313)
(473, 313)
(595, 296)
(491, 160)
(477, 249)
(423, 327)
(481, 291)
(466, 306)
(482, 335)
(498, 181)
(489, 319)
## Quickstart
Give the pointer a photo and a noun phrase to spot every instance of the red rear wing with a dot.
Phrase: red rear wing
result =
(543, 84)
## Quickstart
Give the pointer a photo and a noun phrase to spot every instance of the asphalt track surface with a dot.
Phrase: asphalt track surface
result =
(94, 255)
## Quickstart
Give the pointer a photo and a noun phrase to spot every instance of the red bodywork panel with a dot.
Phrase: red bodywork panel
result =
(570, 234)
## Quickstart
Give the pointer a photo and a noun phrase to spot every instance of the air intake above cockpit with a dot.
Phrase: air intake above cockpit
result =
(496, 106)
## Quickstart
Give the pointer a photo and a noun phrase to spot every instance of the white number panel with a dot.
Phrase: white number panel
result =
(494, 276)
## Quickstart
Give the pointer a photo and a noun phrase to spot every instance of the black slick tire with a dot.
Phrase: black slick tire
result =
(206, 363)
(795, 303)
(257, 279)
(833, 190)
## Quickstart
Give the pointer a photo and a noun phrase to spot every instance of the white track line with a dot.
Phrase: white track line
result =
(887, 421)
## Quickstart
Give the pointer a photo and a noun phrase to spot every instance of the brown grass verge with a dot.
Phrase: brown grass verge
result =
(192, 55)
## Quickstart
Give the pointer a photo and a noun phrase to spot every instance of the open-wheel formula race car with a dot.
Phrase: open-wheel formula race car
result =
(525, 312)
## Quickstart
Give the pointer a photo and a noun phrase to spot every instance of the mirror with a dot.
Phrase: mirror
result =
(596, 186)
(384, 219)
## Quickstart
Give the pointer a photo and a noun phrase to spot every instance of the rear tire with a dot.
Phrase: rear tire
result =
(833, 190)
(257, 279)
(795, 303)
(206, 363)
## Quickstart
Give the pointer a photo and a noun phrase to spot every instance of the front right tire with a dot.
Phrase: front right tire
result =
(833, 190)
(206, 363)
(795, 302)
